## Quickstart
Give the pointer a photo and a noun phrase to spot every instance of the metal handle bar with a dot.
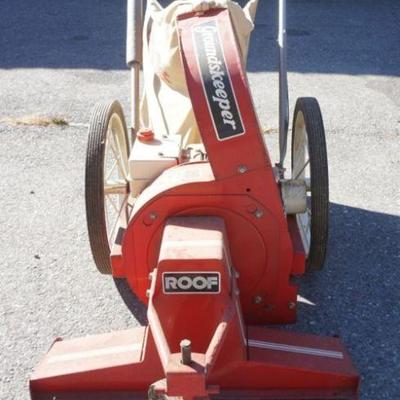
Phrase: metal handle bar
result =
(283, 84)
(134, 54)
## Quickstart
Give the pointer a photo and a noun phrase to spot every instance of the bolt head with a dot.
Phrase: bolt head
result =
(257, 299)
(185, 343)
(259, 213)
(153, 216)
(242, 169)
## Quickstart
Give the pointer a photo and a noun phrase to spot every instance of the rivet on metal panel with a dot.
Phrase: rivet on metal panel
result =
(242, 169)
(257, 299)
(149, 219)
(292, 305)
(153, 216)
(259, 213)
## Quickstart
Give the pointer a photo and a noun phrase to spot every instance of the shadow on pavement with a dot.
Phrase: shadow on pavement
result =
(356, 296)
(343, 37)
(362, 265)
(135, 306)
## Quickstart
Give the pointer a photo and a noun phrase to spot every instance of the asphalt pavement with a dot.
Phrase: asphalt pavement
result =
(59, 58)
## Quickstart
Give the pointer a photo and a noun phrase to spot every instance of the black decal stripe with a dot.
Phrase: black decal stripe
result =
(216, 81)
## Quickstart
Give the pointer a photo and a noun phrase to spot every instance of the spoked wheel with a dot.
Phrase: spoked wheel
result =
(309, 162)
(107, 185)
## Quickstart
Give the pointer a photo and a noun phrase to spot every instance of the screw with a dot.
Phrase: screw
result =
(259, 213)
(292, 305)
(257, 299)
(153, 216)
(242, 169)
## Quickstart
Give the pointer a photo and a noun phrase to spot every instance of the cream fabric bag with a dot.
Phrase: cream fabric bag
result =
(166, 107)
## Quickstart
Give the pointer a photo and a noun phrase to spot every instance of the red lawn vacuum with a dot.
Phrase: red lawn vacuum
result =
(209, 235)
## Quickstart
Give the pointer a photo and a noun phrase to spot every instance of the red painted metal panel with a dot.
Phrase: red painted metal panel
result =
(101, 362)
(226, 357)
(247, 149)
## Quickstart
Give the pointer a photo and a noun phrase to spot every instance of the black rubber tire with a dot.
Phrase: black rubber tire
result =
(311, 111)
(94, 184)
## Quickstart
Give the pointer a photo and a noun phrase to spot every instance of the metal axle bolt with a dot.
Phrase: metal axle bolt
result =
(186, 352)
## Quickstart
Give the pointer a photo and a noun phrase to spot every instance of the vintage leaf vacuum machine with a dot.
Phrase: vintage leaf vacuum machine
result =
(206, 231)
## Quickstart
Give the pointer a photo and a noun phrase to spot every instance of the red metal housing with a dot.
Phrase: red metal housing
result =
(238, 185)
(221, 253)
(229, 358)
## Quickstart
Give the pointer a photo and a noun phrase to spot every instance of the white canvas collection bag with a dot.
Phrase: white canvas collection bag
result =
(166, 108)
